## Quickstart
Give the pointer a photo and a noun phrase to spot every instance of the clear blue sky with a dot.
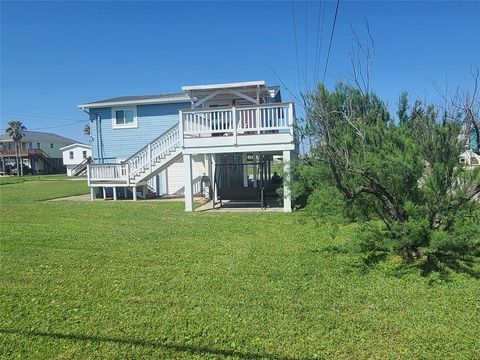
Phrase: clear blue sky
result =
(55, 55)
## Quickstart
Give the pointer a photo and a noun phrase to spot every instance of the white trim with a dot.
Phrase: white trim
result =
(124, 126)
(76, 145)
(225, 86)
(176, 99)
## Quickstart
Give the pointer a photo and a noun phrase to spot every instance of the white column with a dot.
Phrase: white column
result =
(214, 172)
(124, 192)
(104, 193)
(245, 170)
(287, 199)
(92, 193)
(134, 191)
(114, 193)
(166, 180)
(187, 163)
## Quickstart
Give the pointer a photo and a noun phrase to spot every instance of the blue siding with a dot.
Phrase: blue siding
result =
(473, 141)
(152, 120)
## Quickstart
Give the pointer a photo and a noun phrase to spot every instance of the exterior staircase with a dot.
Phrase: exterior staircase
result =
(141, 166)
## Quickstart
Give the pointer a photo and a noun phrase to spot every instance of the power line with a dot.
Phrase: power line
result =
(41, 117)
(318, 51)
(53, 127)
(58, 126)
(296, 44)
(331, 39)
(305, 76)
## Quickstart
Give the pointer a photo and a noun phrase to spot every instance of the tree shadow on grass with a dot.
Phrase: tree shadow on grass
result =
(192, 349)
(445, 265)
(440, 269)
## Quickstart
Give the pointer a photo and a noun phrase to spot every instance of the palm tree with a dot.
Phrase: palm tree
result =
(16, 131)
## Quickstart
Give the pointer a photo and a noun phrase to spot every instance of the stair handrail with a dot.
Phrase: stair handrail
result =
(144, 158)
(81, 166)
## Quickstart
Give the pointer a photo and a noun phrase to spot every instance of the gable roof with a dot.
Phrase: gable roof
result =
(137, 99)
(76, 145)
(184, 96)
(40, 136)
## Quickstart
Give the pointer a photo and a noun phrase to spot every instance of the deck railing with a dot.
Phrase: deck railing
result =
(107, 172)
(24, 153)
(140, 162)
(237, 121)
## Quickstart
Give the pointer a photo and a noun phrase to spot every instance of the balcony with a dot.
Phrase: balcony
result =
(244, 128)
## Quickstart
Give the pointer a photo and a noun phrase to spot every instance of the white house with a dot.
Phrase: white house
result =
(218, 139)
(76, 157)
(469, 158)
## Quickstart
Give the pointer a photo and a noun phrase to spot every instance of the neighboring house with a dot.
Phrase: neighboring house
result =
(469, 157)
(39, 151)
(76, 157)
(217, 139)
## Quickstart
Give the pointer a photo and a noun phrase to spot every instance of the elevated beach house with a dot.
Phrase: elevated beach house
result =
(221, 141)
(38, 151)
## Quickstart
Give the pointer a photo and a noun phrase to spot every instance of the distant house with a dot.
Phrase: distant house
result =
(76, 157)
(39, 151)
(469, 157)
(218, 140)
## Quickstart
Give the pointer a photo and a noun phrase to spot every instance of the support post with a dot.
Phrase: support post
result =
(269, 165)
(104, 193)
(124, 192)
(166, 180)
(92, 193)
(287, 199)
(114, 193)
(255, 159)
(134, 193)
(214, 174)
(187, 163)
(245, 170)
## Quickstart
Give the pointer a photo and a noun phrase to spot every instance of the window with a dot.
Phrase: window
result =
(124, 118)
(38, 145)
(84, 154)
(70, 154)
(51, 145)
(30, 145)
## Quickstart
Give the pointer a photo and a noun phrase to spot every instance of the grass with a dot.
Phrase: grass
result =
(146, 280)
(5, 180)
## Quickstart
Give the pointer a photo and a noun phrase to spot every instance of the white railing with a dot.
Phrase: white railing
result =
(140, 162)
(107, 172)
(245, 120)
(144, 159)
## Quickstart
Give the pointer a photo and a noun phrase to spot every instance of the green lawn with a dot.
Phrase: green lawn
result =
(146, 280)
